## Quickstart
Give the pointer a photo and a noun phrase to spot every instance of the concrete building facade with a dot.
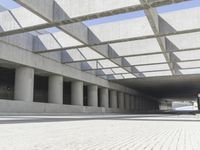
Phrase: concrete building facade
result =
(26, 72)
(83, 69)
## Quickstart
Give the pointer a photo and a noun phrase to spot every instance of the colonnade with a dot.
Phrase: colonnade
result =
(24, 88)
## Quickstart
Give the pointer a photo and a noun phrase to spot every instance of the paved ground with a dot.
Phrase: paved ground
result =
(134, 132)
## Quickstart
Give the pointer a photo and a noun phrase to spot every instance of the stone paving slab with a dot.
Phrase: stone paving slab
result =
(96, 132)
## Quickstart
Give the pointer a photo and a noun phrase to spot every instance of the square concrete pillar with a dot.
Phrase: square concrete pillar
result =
(55, 90)
(24, 84)
(93, 95)
(77, 93)
(103, 95)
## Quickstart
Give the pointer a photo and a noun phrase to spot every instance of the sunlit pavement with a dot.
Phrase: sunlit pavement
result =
(96, 132)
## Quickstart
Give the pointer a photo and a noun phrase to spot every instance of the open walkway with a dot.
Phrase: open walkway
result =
(97, 132)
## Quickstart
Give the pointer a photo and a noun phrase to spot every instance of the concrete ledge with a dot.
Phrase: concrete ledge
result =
(19, 107)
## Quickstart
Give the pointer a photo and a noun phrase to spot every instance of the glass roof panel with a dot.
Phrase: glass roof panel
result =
(2, 8)
(188, 55)
(89, 53)
(107, 63)
(9, 4)
(127, 76)
(30, 18)
(153, 67)
(48, 41)
(92, 64)
(190, 64)
(183, 19)
(76, 8)
(66, 40)
(119, 70)
(118, 76)
(147, 59)
(122, 29)
(160, 73)
(75, 54)
(190, 71)
(178, 6)
(184, 41)
(114, 18)
(10, 23)
(136, 47)
(52, 30)
(107, 71)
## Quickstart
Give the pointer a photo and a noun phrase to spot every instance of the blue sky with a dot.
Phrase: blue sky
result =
(9, 4)
(163, 9)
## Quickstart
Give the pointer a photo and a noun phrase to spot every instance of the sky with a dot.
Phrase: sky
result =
(9, 4)
(163, 9)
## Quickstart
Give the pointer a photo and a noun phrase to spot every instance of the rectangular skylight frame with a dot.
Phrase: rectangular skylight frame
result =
(190, 71)
(156, 67)
(129, 28)
(189, 64)
(128, 76)
(158, 74)
(177, 19)
(188, 55)
(89, 53)
(185, 41)
(76, 8)
(146, 59)
(106, 63)
(119, 70)
(136, 47)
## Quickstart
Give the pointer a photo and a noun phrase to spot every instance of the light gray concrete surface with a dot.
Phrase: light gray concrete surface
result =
(127, 101)
(93, 95)
(20, 107)
(121, 100)
(77, 93)
(24, 80)
(19, 56)
(100, 132)
(103, 97)
(55, 94)
(113, 99)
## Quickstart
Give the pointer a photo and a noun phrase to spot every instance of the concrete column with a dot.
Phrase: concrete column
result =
(113, 99)
(77, 93)
(24, 84)
(121, 100)
(132, 102)
(142, 104)
(103, 97)
(127, 101)
(55, 90)
(93, 95)
(139, 104)
(135, 104)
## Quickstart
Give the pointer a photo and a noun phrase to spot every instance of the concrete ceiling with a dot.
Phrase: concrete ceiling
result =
(174, 87)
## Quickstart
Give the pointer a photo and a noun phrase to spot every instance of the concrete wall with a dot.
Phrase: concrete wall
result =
(19, 56)
(7, 106)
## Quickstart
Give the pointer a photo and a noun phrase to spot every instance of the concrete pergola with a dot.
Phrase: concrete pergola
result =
(152, 45)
